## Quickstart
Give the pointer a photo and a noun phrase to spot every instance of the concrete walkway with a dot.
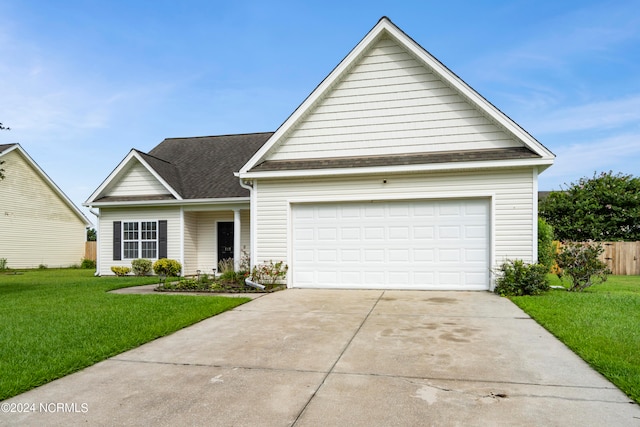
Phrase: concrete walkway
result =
(342, 358)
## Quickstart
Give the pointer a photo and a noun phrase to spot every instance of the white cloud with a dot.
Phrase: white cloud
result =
(596, 115)
(619, 153)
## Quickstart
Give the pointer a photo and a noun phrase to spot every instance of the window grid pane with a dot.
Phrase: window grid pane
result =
(148, 249)
(130, 250)
(140, 239)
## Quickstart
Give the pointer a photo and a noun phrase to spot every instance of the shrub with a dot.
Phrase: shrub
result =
(546, 248)
(517, 278)
(43, 267)
(581, 263)
(88, 263)
(141, 266)
(3, 264)
(269, 273)
(167, 267)
(120, 271)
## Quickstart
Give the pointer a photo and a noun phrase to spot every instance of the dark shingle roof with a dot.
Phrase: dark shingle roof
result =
(203, 167)
(398, 160)
(169, 172)
(5, 147)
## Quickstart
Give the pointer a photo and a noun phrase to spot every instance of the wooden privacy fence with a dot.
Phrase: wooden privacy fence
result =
(90, 250)
(622, 258)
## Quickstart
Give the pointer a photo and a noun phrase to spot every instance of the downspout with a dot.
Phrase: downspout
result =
(252, 213)
(97, 214)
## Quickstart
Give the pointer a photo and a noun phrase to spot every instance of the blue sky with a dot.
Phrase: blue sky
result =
(83, 82)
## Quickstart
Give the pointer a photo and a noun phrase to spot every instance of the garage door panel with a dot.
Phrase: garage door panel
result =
(423, 232)
(350, 233)
(449, 232)
(374, 233)
(423, 255)
(402, 245)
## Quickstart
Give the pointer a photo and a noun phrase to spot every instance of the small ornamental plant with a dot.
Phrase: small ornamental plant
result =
(141, 266)
(120, 271)
(167, 267)
(270, 273)
(581, 263)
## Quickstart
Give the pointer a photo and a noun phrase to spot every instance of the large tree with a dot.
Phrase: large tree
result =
(605, 207)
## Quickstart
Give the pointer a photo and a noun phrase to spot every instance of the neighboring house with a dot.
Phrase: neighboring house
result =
(39, 225)
(393, 173)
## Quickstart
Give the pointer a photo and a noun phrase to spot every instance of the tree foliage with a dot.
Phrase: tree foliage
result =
(546, 248)
(603, 208)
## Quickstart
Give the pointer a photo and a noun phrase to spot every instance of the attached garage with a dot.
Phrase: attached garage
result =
(417, 244)
(394, 174)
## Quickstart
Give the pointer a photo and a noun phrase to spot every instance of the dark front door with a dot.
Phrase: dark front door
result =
(225, 240)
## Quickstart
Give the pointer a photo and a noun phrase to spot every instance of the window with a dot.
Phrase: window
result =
(140, 239)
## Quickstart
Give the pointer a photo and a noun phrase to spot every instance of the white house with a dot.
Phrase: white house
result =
(39, 225)
(393, 173)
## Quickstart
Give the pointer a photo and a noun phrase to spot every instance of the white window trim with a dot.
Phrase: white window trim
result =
(139, 240)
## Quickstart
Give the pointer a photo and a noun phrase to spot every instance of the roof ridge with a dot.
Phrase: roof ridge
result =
(175, 183)
(219, 136)
(152, 156)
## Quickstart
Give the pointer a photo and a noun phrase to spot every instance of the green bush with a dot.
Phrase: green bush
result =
(546, 248)
(88, 263)
(3, 264)
(517, 278)
(120, 271)
(141, 266)
(581, 263)
(167, 267)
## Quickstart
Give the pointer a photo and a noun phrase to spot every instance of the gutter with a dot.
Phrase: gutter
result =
(252, 217)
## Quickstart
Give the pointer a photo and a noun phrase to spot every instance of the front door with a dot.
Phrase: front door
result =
(225, 240)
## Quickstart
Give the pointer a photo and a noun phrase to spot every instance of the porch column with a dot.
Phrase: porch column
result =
(236, 239)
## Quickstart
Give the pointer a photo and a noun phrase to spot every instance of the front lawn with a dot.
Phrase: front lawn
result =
(601, 325)
(55, 322)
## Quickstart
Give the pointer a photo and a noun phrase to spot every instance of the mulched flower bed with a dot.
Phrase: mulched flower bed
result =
(214, 287)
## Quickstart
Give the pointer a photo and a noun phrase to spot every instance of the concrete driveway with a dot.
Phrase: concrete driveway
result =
(341, 358)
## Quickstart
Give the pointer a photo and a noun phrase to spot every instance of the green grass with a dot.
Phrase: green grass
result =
(55, 322)
(601, 325)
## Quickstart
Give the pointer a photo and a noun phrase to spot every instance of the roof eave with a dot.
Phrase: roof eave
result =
(540, 163)
(182, 202)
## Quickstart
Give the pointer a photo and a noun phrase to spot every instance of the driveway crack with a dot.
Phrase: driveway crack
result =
(344, 349)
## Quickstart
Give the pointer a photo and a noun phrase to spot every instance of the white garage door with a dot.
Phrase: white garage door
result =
(441, 244)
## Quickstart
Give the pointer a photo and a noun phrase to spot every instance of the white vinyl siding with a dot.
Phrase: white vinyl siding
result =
(36, 225)
(201, 245)
(388, 103)
(136, 181)
(109, 215)
(190, 242)
(510, 192)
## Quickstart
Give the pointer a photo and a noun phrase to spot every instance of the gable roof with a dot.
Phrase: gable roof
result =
(386, 29)
(194, 168)
(7, 148)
